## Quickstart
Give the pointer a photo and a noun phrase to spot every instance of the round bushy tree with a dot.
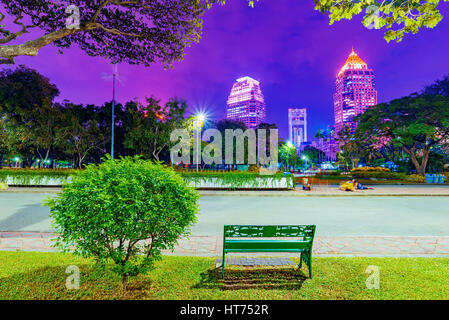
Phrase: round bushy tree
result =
(127, 211)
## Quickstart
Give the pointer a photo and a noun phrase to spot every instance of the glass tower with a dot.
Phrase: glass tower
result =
(246, 102)
(355, 91)
(297, 126)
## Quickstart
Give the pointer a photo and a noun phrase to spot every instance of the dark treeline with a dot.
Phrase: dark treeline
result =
(37, 130)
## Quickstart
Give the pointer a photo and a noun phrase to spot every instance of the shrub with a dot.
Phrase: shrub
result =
(378, 175)
(370, 169)
(416, 178)
(127, 211)
(253, 168)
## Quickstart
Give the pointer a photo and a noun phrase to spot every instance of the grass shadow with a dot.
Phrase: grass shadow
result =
(243, 278)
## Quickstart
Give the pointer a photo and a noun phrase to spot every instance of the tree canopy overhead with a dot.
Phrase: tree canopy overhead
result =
(398, 17)
(146, 31)
(132, 31)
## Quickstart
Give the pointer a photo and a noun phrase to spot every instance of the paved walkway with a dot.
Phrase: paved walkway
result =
(333, 191)
(317, 190)
(411, 246)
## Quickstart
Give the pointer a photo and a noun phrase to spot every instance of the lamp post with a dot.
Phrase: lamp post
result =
(305, 160)
(17, 161)
(114, 76)
(200, 118)
(113, 114)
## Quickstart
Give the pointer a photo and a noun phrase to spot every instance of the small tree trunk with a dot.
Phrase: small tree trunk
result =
(425, 159)
(125, 282)
(419, 169)
(411, 153)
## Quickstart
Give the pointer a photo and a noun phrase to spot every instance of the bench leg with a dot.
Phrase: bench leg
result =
(223, 266)
(310, 264)
(300, 261)
(307, 258)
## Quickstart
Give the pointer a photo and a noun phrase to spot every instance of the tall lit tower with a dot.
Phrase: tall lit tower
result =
(355, 91)
(246, 102)
(297, 126)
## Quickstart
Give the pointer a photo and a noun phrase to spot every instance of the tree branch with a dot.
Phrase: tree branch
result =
(13, 36)
(96, 25)
(97, 13)
(31, 48)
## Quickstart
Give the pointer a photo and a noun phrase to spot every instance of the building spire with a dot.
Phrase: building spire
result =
(353, 62)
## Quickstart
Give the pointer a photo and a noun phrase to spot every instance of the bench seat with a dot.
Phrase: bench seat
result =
(252, 238)
(266, 245)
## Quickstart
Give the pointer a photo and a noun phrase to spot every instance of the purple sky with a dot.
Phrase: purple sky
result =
(285, 44)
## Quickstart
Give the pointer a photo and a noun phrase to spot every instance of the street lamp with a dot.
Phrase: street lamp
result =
(305, 159)
(200, 118)
(16, 160)
(114, 77)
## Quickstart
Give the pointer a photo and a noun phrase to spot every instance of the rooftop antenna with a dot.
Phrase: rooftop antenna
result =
(114, 76)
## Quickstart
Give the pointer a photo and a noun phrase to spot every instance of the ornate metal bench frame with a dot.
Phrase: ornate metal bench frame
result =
(302, 246)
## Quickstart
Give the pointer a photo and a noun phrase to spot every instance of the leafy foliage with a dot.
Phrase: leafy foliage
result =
(370, 169)
(415, 124)
(127, 211)
(236, 179)
(416, 178)
(376, 172)
(148, 129)
(136, 31)
(33, 126)
(35, 176)
(378, 175)
(313, 154)
(398, 17)
(288, 155)
(231, 179)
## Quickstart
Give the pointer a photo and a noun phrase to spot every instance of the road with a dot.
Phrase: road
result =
(334, 216)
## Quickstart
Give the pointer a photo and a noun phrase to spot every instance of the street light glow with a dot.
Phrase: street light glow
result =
(201, 116)
(289, 144)
(200, 119)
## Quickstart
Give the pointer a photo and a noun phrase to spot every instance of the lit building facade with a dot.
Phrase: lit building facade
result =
(355, 91)
(246, 103)
(297, 126)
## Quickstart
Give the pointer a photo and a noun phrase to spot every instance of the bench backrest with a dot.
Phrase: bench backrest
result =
(307, 232)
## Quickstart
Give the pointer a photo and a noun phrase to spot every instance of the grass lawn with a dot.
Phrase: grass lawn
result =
(32, 275)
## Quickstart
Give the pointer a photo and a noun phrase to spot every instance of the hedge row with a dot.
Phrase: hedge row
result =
(379, 175)
(370, 169)
(233, 179)
(237, 179)
(28, 176)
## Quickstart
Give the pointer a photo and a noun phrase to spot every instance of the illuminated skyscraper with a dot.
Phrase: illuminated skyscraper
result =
(297, 126)
(355, 91)
(246, 102)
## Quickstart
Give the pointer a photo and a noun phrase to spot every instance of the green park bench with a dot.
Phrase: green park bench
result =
(247, 243)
